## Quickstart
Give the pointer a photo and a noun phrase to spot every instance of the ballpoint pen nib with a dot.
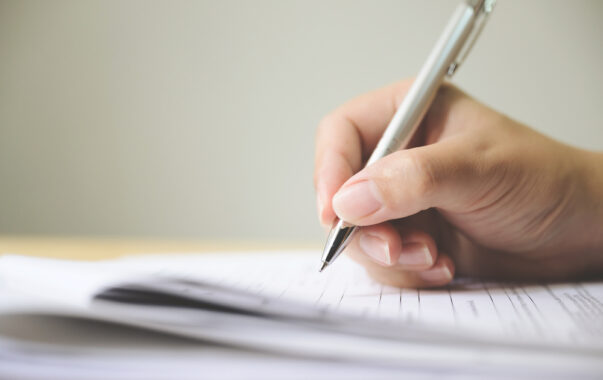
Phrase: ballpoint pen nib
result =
(324, 265)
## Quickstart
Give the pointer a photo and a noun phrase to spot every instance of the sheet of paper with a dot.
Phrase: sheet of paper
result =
(569, 313)
(37, 347)
(42, 347)
(563, 314)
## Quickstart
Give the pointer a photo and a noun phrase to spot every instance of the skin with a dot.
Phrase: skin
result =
(477, 194)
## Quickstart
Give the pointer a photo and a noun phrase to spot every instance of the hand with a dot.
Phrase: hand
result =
(476, 194)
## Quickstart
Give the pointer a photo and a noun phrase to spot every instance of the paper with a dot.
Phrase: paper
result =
(279, 302)
(35, 347)
(553, 313)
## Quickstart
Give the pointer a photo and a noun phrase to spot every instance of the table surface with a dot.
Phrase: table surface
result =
(98, 248)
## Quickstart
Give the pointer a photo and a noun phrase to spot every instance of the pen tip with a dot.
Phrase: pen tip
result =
(324, 265)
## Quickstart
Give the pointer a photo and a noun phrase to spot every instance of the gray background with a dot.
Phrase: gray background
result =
(196, 119)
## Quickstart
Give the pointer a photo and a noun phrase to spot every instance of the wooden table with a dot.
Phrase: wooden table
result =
(98, 248)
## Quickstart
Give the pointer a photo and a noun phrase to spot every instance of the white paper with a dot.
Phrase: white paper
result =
(489, 324)
(569, 313)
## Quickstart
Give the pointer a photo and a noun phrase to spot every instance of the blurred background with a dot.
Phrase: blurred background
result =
(196, 119)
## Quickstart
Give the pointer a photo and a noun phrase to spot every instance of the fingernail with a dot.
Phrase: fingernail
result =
(441, 274)
(356, 201)
(415, 254)
(376, 248)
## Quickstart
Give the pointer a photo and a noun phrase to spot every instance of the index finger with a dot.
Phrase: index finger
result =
(346, 137)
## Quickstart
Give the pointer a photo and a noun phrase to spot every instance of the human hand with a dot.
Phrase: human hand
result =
(476, 194)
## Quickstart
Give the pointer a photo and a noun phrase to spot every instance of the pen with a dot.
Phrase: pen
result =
(448, 53)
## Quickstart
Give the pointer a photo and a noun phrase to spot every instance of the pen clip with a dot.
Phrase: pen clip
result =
(483, 8)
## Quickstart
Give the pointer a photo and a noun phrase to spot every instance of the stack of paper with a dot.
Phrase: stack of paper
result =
(279, 305)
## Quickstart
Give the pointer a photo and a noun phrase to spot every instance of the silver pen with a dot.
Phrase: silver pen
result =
(449, 52)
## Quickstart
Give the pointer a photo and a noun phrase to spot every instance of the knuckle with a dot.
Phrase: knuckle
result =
(426, 178)
(410, 178)
(325, 123)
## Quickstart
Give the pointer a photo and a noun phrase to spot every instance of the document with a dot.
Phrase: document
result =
(278, 302)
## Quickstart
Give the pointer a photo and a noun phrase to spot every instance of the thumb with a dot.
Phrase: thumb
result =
(407, 182)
